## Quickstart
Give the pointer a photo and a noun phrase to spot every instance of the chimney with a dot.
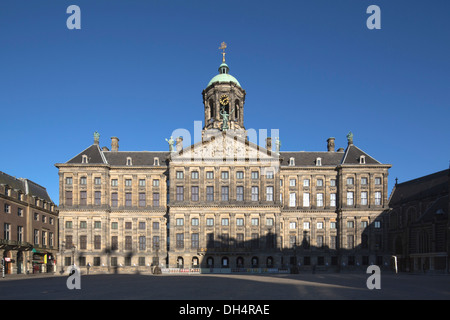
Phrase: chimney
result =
(269, 144)
(114, 144)
(330, 145)
(179, 144)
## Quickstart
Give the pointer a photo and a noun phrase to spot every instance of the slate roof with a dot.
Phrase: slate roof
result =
(93, 153)
(26, 186)
(424, 187)
(138, 158)
(307, 158)
(353, 154)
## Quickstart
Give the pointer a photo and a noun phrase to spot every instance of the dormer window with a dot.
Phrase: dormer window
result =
(362, 159)
(319, 162)
(129, 161)
(156, 161)
(84, 158)
(291, 161)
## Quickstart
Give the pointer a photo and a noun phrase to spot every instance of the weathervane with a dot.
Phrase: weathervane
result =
(223, 46)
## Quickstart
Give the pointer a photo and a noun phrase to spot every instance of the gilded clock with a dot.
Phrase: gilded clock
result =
(224, 100)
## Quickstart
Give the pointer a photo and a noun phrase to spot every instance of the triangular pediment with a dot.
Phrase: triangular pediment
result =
(225, 147)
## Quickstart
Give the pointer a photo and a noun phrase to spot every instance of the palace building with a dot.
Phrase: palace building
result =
(223, 202)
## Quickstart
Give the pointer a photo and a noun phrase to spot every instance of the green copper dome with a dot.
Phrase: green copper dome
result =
(223, 76)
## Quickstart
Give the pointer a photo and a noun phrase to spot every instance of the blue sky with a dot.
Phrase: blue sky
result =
(311, 69)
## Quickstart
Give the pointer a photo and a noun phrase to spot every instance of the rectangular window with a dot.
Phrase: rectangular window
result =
(224, 174)
(155, 242)
(114, 183)
(209, 193)
(155, 225)
(364, 198)
(209, 175)
(239, 193)
(156, 199)
(114, 199)
(194, 221)
(69, 180)
(83, 242)
(377, 198)
(292, 241)
(319, 225)
(194, 193)
(225, 191)
(7, 208)
(155, 182)
(83, 225)
(292, 182)
(319, 199)
(306, 182)
(83, 181)
(128, 182)
(128, 243)
(319, 182)
(349, 181)
(128, 199)
(68, 198)
(333, 183)
(225, 221)
(255, 221)
(209, 222)
(292, 225)
(97, 198)
(83, 198)
(180, 221)
(363, 181)
(240, 240)
(239, 221)
(255, 193)
(292, 199)
(7, 231)
(333, 225)
(333, 240)
(142, 243)
(97, 224)
(306, 225)
(350, 242)
(97, 242)
(255, 175)
(332, 199)
(142, 202)
(180, 175)
(269, 193)
(377, 181)
(349, 198)
(269, 222)
(128, 225)
(319, 241)
(180, 240)
(377, 224)
(194, 241)
(180, 193)
(20, 233)
(350, 224)
(269, 175)
(240, 175)
(114, 225)
(141, 182)
(97, 181)
(306, 199)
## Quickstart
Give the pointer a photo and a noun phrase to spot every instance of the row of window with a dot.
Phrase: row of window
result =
(128, 244)
(114, 199)
(320, 182)
(36, 215)
(114, 182)
(320, 199)
(270, 222)
(113, 260)
(225, 193)
(224, 175)
(37, 202)
(114, 225)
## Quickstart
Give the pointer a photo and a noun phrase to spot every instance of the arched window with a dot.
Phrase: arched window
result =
(423, 245)
(236, 110)
(180, 262)
(240, 262)
(255, 262)
(225, 262)
(129, 161)
(195, 262)
(212, 111)
(210, 262)
(269, 262)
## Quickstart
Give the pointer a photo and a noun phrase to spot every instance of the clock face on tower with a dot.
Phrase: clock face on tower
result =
(224, 100)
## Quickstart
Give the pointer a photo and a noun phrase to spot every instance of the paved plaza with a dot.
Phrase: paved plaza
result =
(236, 287)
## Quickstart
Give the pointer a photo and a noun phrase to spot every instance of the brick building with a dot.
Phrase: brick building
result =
(29, 226)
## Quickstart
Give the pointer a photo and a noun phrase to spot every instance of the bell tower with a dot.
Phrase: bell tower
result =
(223, 101)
